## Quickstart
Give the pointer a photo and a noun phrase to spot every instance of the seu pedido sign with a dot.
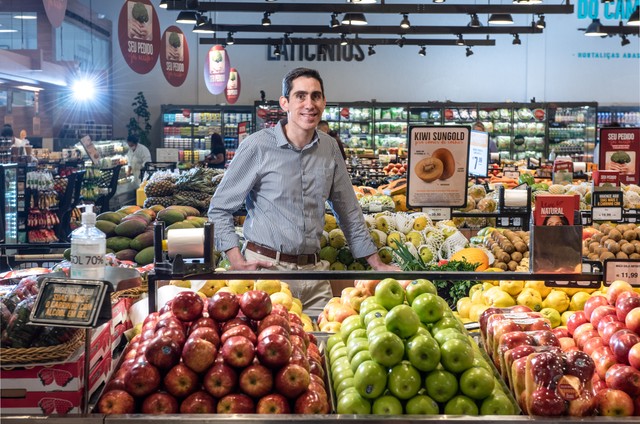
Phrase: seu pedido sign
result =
(438, 166)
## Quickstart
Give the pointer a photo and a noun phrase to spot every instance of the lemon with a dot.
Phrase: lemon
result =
(553, 316)
(565, 316)
(476, 310)
(578, 300)
(512, 287)
(557, 300)
(530, 298)
(539, 286)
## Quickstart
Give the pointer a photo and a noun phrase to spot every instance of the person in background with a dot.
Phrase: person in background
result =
(285, 175)
(137, 156)
(218, 156)
(324, 127)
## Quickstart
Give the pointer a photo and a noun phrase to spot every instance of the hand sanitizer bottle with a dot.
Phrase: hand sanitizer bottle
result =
(88, 247)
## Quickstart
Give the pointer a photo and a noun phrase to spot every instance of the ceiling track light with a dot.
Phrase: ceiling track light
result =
(371, 51)
(475, 21)
(422, 51)
(405, 24)
(634, 19)
(541, 23)
(266, 21)
(595, 29)
(204, 26)
(516, 40)
(187, 17)
(438, 1)
(285, 38)
(401, 41)
(501, 19)
(624, 40)
(163, 4)
(276, 51)
(343, 40)
(460, 40)
(469, 52)
(354, 19)
(230, 39)
(334, 21)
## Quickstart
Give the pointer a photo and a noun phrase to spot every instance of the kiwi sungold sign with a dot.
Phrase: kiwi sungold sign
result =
(216, 69)
(174, 56)
(55, 10)
(438, 166)
(232, 91)
(139, 35)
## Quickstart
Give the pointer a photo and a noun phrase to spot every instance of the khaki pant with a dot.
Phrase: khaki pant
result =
(314, 294)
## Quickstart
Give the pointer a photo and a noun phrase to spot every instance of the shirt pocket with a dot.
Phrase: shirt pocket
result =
(323, 181)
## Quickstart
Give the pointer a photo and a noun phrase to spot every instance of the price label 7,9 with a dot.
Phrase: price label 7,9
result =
(622, 269)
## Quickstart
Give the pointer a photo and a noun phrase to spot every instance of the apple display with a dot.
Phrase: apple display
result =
(116, 402)
(238, 351)
(181, 381)
(402, 320)
(159, 403)
(389, 293)
(273, 403)
(255, 304)
(236, 403)
(223, 306)
(292, 380)
(187, 306)
(220, 380)
(256, 381)
(142, 379)
(441, 385)
(404, 381)
(198, 354)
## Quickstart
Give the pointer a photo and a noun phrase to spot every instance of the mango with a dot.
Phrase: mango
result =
(170, 216)
(131, 228)
(114, 217)
(126, 255)
(142, 240)
(118, 243)
(145, 256)
(107, 227)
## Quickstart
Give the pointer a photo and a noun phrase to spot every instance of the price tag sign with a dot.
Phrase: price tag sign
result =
(606, 206)
(438, 214)
(511, 174)
(479, 154)
(70, 303)
(622, 269)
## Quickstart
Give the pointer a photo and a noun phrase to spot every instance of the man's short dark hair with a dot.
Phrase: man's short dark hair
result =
(287, 81)
(133, 139)
(7, 131)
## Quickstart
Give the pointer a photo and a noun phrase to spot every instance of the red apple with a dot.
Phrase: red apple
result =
(236, 404)
(159, 403)
(238, 320)
(181, 381)
(274, 350)
(575, 320)
(292, 380)
(583, 406)
(314, 378)
(546, 368)
(604, 321)
(187, 306)
(561, 332)
(163, 352)
(256, 381)
(273, 404)
(206, 333)
(592, 344)
(150, 320)
(273, 329)
(220, 380)
(279, 309)
(203, 322)
(274, 319)
(632, 320)
(603, 361)
(315, 368)
(116, 383)
(610, 328)
(566, 343)
(175, 333)
(621, 342)
(116, 402)
(198, 403)
(625, 303)
(581, 329)
(198, 354)
(616, 289)
(223, 306)
(311, 402)
(295, 319)
(238, 351)
(239, 330)
(546, 402)
(299, 358)
(584, 337)
(625, 378)
(598, 384)
(142, 379)
(614, 403)
(256, 304)
(600, 312)
(634, 357)
(592, 303)
(580, 365)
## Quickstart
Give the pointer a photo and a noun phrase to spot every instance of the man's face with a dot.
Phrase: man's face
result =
(305, 103)
(132, 146)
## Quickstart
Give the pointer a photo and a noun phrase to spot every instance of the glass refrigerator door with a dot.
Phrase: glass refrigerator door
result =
(391, 129)
(10, 203)
(355, 127)
(460, 115)
(572, 131)
(529, 132)
(425, 116)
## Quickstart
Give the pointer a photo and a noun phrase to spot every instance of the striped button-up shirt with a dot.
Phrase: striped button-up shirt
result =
(285, 190)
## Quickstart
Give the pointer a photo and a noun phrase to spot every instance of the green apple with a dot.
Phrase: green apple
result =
(337, 353)
(338, 378)
(386, 348)
(441, 385)
(344, 384)
(479, 361)
(418, 287)
(360, 357)
(497, 403)
(450, 334)
(422, 405)
(332, 340)
(374, 323)
(387, 405)
(356, 345)
(404, 381)
(477, 383)
(461, 405)
(352, 403)
(423, 352)
(360, 332)
(428, 308)
(368, 305)
(402, 320)
(339, 372)
(446, 322)
(371, 315)
(456, 355)
(370, 379)
(389, 293)
(349, 324)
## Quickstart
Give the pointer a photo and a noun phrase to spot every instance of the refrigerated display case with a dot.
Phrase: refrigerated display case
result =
(625, 116)
(9, 203)
(188, 128)
(390, 127)
(267, 114)
(460, 114)
(353, 124)
(572, 130)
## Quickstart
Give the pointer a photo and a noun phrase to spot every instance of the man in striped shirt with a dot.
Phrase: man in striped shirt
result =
(284, 175)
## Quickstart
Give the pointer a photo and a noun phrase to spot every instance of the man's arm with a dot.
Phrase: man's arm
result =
(238, 261)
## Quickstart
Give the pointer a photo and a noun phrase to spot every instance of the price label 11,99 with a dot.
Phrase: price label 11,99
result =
(622, 269)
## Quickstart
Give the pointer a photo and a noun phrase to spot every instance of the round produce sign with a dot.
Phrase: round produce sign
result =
(139, 35)
(232, 91)
(216, 69)
(55, 10)
(174, 56)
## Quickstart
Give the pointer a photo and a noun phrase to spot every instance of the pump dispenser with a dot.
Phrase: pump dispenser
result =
(88, 247)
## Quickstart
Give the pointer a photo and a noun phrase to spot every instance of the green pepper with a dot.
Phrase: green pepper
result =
(526, 178)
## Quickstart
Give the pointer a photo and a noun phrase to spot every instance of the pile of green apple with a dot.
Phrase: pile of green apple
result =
(405, 353)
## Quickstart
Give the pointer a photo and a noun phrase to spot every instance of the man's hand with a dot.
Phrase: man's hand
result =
(239, 263)
(377, 264)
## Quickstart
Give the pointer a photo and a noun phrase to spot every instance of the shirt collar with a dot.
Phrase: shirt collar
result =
(281, 138)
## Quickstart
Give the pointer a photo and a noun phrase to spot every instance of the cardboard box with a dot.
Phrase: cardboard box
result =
(120, 320)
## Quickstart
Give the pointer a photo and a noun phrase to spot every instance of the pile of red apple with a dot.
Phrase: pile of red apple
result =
(608, 330)
(227, 354)
(394, 169)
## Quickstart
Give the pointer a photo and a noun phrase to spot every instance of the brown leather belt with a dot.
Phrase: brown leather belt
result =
(305, 259)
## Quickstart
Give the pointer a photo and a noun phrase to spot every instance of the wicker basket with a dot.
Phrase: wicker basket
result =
(33, 355)
(132, 293)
